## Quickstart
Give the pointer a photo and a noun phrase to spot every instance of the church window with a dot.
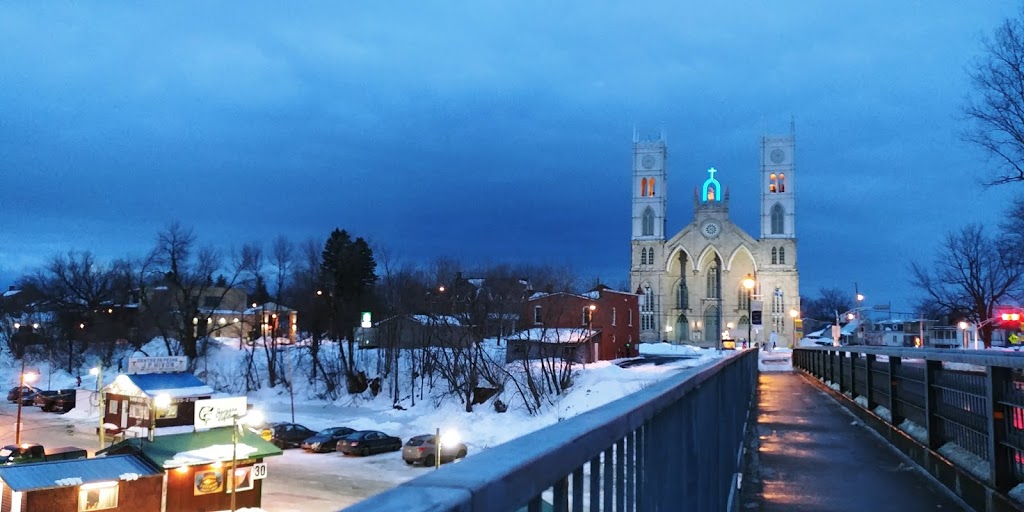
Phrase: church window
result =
(648, 222)
(643, 256)
(647, 310)
(713, 282)
(682, 295)
(778, 216)
(778, 310)
(772, 179)
(711, 193)
(712, 328)
(643, 187)
(650, 255)
(775, 256)
(782, 182)
(652, 186)
(743, 295)
(782, 255)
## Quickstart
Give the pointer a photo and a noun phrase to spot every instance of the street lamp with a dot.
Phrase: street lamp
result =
(237, 421)
(160, 402)
(860, 326)
(963, 328)
(749, 283)
(98, 372)
(449, 438)
(25, 377)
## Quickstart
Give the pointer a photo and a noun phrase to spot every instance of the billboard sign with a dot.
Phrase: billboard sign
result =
(219, 412)
(166, 364)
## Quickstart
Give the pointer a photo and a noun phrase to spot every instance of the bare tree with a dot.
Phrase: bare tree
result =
(971, 273)
(996, 111)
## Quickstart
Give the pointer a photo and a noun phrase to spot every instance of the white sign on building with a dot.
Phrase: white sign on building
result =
(219, 412)
(165, 364)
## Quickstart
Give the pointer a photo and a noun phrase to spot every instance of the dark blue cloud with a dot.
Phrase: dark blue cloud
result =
(485, 131)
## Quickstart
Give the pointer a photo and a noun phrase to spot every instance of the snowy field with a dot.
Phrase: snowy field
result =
(310, 482)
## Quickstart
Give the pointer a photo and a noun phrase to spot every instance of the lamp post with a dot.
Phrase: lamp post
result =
(159, 402)
(963, 332)
(237, 421)
(98, 372)
(749, 283)
(860, 326)
(793, 314)
(25, 377)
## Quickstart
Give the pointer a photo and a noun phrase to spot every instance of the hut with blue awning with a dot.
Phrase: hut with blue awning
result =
(130, 400)
(113, 483)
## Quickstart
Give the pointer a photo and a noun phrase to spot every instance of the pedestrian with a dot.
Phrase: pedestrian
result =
(79, 380)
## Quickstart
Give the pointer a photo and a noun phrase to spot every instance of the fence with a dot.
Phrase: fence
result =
(673, 446)
(965, 406)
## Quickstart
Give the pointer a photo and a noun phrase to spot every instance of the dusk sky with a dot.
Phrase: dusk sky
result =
(484, 131)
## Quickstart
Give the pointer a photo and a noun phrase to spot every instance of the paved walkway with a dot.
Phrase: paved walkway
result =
(810, 454)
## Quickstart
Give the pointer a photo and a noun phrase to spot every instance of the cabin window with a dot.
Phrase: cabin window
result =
(98, 496)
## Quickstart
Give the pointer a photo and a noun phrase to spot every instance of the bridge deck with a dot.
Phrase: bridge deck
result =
(810, 454)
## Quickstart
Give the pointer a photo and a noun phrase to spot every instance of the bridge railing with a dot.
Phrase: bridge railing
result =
(967, 405)
(672, 446)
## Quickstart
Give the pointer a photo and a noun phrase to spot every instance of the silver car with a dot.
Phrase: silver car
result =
(423, 450)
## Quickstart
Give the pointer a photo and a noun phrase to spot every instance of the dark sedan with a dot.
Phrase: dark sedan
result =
(61, 402)
(12, 395)
(326, 440)
(289, 435)
(367, 442)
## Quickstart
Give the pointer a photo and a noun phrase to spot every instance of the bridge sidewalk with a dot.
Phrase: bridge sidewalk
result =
(807, 453)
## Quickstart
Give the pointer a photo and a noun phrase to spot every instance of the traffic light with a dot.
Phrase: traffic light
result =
(1008, 317)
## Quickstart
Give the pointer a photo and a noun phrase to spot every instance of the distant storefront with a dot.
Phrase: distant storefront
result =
(129, 400)
(127, 483)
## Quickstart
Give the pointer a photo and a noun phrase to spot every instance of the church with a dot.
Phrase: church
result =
(695, 286)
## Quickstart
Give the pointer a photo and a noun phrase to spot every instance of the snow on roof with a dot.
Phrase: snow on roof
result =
(209, 454)
(268, 307)
(193, 448)
(49, 475)
(176, 385)
(11, 293)
(554, 335)
(476, 281)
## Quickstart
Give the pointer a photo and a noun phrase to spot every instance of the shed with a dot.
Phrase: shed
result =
(120, 482)
(129, 400)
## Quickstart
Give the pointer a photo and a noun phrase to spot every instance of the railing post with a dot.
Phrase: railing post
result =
(997, 382)
(931, 370)
(893, 374)
(853, 373)
(869, 380)
(839, 357)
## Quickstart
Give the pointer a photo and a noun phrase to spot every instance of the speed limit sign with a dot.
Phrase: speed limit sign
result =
(259, 471)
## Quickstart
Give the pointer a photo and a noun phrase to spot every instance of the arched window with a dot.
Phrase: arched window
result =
(643, 256)
(743, 298)
(643, 187)
(711, 194)
(650, 255)
(713, 282)
(648, 222)
(778, 310)
(647, 309)
(712, 329)
(682, 295)
(782, 182)
(782, 255)
(775, 256)
(771, 183)
(652, 186)
(778, 218)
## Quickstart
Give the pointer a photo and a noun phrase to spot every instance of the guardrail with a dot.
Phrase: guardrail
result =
(965, 406)
(673, 446)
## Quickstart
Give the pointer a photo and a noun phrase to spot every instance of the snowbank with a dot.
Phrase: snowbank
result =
(668, 349)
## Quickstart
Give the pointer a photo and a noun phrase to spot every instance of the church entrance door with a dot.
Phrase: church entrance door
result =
(712, 329)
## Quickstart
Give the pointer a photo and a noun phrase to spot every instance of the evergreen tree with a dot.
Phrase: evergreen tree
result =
(348, 274)
(260, 295)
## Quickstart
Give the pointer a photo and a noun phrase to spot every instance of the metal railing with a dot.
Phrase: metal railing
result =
(944, 399)
(673, 446)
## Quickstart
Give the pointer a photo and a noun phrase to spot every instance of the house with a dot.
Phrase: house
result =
(415, 331)
(130, 398)
(198, 465)
(574, 344)
(269, 320)
(113, 483)
(608, 316)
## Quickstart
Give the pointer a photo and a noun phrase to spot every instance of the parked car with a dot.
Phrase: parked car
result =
(61, 402)
(40, 396)
(289, 435)
(31, 452)
(423, 449)
(12, 395)
(366, 442)
(326, 440)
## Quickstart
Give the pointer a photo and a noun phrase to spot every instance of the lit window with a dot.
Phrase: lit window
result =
(782, 182)
(643, 187)
(243, 479)
(652, 186)
(97, 496)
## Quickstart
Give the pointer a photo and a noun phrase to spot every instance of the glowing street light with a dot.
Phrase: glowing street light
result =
(160, 402)
(963, 327)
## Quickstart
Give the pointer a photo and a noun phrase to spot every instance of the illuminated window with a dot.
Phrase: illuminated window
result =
(778, 214)
(97, 496)
(744, 298)
(782, 255)
(648, 222)
(775, 256)
(711, 194)
(243, 480)
(782, 182)
(643, 187)
(652, 186)
(772, 179)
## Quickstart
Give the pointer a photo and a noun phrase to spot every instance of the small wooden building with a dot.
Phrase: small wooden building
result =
(197, 465)
(129, 400)
(116, 483)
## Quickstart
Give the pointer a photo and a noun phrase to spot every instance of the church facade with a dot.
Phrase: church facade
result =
(691, 284)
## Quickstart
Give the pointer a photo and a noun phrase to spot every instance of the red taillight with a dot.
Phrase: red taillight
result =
(421, 449)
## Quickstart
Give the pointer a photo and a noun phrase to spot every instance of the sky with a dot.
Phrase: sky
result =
(487, 131)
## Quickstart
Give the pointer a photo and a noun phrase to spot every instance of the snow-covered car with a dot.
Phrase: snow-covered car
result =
(326, 440)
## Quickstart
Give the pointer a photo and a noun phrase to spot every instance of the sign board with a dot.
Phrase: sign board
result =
(755, 318)
(166, 364)
(219, 412)
(364, 320)
(259, 471)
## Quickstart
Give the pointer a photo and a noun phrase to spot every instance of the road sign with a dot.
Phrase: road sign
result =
(364, 320)
(259, 471)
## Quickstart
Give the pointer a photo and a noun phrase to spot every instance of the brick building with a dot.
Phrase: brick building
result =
(607, 321)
